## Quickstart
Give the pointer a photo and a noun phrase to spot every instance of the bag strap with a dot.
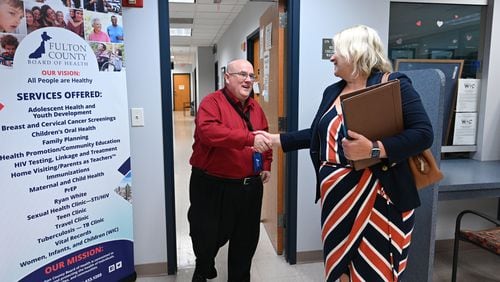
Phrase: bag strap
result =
(385, 77)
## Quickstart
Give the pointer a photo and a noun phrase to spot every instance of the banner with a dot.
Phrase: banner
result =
(66, 205)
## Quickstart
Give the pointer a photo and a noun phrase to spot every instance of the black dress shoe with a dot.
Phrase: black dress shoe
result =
(199, 277)
(212, 273)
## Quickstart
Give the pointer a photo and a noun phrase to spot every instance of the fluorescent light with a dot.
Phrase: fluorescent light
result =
(181, 1)
(180, 31)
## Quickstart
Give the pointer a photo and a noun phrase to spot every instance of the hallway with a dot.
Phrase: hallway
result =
(267, 266)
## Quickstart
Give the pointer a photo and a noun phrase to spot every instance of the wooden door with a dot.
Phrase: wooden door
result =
(182, 91)
(273, 103)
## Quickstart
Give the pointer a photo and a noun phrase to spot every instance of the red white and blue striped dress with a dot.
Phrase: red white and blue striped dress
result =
(363, 233)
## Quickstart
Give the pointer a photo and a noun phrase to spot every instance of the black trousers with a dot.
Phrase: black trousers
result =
(223, 211)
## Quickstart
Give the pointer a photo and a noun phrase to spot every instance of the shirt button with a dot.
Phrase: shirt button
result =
(384, 168)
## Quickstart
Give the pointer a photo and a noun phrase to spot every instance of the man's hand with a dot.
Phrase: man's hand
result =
(273, 138)
(265, 176)
(261, 143)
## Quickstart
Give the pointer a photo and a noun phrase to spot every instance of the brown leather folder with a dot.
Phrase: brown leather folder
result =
(374, 112)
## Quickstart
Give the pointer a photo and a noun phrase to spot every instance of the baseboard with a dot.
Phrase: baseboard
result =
(440, 246)
(310, 256)
(151, 269)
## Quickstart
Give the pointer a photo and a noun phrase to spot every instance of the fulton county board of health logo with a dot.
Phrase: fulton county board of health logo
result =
(50, 51)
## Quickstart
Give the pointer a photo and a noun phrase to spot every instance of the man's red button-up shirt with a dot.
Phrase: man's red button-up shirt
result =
(222, 141)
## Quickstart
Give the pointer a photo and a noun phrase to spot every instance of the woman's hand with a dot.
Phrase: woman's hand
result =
(358, 147)
(273, 138)
(261, 143)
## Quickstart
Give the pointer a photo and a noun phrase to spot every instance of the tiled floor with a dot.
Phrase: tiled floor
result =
(474, 264)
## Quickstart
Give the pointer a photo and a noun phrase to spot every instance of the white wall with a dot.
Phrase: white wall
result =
(488, 129)
(143, 83)
(247, 21)
(322, 19)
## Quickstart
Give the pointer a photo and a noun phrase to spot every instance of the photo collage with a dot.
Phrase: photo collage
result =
(99, 22)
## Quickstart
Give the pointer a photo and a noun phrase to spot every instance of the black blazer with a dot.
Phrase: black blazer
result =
(393, 172)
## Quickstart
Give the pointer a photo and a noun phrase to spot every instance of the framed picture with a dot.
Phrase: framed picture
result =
(452, 70)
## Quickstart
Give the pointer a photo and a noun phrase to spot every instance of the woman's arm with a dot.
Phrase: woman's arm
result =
(289, 141)
(417, 134)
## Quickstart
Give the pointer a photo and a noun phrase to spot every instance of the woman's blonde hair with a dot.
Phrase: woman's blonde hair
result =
(361, 46)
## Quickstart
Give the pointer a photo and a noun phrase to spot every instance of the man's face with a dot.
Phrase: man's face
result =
(236, 82)
(114, 21)
(10, 49)
(9, 17)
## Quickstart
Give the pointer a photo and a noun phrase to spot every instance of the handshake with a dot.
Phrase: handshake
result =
(264, 141)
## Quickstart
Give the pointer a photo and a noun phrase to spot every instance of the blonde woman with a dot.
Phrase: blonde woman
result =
(367, 216)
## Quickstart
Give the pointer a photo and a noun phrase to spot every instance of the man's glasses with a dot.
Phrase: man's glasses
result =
(244, 75)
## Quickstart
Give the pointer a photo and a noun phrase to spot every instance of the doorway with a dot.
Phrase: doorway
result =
(168, 131)
(253, 42)
(182, 91)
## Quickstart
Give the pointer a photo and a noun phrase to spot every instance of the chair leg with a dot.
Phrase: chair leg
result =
(455, 259)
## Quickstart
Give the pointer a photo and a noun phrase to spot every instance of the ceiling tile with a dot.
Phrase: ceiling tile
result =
(172, 8)
(210, 22)
(214, 8)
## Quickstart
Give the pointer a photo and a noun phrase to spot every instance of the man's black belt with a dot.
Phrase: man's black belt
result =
(240, 181)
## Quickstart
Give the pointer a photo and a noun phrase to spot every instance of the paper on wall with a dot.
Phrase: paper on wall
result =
(468, 95)
(465, 129)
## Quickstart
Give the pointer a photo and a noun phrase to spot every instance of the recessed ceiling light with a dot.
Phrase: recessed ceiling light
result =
(175, 31)
(181, 21)
(181, 1)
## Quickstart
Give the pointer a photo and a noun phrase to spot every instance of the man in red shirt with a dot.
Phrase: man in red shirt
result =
(229, 166)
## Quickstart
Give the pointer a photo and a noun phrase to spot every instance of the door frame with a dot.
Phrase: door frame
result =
(250, 39)
(216, 75)
(168, 135)
(250, 50)
(292, 84)
(292, 36)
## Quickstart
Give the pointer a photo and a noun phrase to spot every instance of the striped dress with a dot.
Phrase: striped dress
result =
(363, 233)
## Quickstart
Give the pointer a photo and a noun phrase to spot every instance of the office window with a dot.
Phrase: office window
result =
(437, 31)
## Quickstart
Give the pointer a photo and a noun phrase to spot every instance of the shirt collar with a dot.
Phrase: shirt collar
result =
(249, 103)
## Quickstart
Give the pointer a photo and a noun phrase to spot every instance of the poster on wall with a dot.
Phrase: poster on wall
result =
(468, 95)
(66, 205)
(465, 129)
